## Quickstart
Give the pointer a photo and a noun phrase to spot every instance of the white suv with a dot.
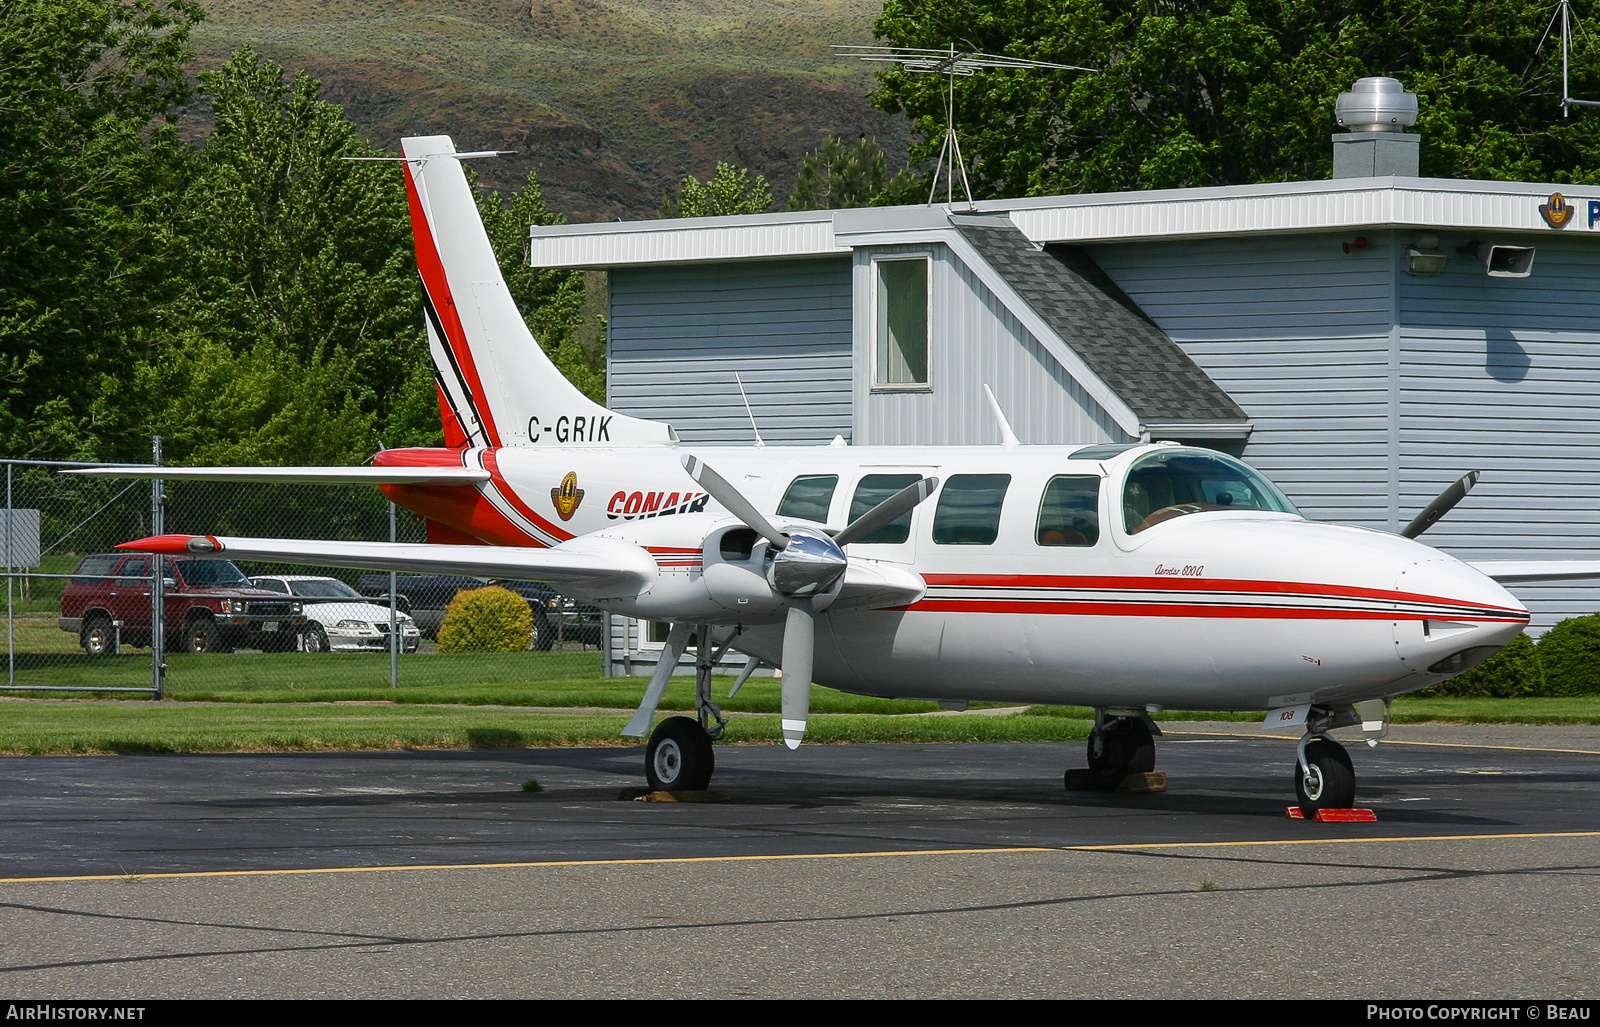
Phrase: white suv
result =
(338, 618)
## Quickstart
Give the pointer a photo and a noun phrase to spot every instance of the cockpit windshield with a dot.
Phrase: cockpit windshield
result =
(1162, 486)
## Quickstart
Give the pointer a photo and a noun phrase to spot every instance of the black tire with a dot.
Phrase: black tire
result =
(201, 636)
(1333, 781)
(1124, 747)
(99, 637)
(679, 757)
(316, 639)
(544, 633)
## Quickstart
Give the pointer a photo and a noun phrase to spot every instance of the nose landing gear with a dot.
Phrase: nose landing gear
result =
(1323, 775)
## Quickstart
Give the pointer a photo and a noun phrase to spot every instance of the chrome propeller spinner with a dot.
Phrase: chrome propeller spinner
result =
(807, 569)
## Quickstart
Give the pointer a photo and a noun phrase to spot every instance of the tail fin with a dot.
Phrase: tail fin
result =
(495, 382)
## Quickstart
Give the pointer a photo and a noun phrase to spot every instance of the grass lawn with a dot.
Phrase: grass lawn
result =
(148, 727)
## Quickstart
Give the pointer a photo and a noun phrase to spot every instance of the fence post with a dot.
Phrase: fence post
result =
(394, 615)
(11, 638)
(158, 582)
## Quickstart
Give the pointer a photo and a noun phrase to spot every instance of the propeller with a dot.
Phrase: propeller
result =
(1441, 505)
(807, 570)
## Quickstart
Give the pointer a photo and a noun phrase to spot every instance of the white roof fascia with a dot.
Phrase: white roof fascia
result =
(1040, 329)
(1266, 209)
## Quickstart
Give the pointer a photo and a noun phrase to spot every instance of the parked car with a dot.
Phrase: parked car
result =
(557, 617)
(338, 618)
(423, 596)
(210, 606)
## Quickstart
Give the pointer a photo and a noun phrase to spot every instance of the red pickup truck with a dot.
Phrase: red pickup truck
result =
(210, 607)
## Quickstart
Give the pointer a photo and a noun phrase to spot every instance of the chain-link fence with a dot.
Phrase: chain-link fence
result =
(82, 616)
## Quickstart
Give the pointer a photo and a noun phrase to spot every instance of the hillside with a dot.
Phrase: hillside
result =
(610, 101)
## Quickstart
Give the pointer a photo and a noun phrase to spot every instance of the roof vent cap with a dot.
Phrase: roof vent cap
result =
(1376, 104)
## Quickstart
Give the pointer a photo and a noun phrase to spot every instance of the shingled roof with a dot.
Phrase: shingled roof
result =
(1118, 341)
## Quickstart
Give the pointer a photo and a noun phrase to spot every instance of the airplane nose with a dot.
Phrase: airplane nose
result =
(1450, 618)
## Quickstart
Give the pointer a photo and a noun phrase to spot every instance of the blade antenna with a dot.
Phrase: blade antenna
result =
(750, 413)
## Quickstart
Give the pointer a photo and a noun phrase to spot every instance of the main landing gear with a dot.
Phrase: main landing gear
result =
(1122, 742)
(679, 757)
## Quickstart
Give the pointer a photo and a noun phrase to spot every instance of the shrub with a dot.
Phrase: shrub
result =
(486, 620)
(1570, 655)
(1513, 671)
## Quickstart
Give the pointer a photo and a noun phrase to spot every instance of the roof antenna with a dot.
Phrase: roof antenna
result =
(747, 409)
(1007, 436)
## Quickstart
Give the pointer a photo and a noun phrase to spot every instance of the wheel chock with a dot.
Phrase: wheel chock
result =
(1131, 784)
(1334, 816)
(646, 795)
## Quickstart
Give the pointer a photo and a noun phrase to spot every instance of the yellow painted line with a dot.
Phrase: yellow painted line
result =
(1332, 841)
(1393, 741)
(518, 866)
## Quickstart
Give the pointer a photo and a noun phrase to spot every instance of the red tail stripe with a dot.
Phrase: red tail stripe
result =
(434, 280)
(1165, 584)
(499, 482)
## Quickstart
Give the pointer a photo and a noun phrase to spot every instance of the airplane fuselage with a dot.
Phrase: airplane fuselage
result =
(1202, 606)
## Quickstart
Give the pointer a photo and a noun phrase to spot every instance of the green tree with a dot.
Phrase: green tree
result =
(551, 301)
(836, 176)
(728, 191)
(90, 174)
(1213, 92)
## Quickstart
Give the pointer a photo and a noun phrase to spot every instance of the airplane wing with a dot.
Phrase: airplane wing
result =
(308, 475)
(1522, 572)
(589, 568)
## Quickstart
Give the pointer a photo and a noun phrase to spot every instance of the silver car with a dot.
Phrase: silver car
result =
(338, 618)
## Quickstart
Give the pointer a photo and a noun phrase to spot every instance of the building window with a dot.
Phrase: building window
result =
(902, 323)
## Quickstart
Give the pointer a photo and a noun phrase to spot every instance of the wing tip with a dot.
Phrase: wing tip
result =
(173, 545)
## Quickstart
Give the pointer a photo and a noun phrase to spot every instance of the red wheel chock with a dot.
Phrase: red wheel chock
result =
(1334, 816)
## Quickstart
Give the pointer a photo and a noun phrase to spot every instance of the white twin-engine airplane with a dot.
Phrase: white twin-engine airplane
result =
(1128, 578)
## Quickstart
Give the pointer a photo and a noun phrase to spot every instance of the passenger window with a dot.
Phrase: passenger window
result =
(809, 496)
(131, 571)
(969, 509)
(874, 489)
(95, 570)
(1069, 513)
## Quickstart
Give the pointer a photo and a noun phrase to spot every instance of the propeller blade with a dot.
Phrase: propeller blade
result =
(886, 512)
(733, 501)
(1445, 502)
(799, 638)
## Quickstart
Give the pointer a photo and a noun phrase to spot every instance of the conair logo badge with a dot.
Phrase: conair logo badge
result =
(1556, 212)
(568, 496)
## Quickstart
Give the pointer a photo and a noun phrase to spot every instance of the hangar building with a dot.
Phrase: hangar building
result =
(1364, 340)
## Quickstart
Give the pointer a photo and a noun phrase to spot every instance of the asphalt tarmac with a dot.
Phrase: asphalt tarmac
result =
(835, 871)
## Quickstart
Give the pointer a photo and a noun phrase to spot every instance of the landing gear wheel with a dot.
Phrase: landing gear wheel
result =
(1332, 781)
(679, 757)
(1124, 746)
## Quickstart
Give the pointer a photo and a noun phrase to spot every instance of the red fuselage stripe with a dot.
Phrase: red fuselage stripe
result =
(499, 482)
(1114, 609)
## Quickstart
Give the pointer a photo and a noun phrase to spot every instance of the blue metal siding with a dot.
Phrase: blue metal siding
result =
(1372, 390)
(678, 334)
(1298, 333)
(1503, 376)
(973, 340)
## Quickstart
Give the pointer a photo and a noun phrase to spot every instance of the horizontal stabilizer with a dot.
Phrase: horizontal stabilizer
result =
(308, 475)
(587, 568)
(1515, 572)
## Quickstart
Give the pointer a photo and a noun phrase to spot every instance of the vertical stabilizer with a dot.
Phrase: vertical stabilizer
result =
(495, 383)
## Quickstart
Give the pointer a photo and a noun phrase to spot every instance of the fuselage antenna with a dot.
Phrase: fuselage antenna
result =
(747, 410)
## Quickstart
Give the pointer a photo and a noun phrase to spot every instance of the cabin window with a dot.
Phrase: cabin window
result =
(809, 496)
(1069, 513)
(968, 513)
(874, 489)
(1162, 486)
(902, 323)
